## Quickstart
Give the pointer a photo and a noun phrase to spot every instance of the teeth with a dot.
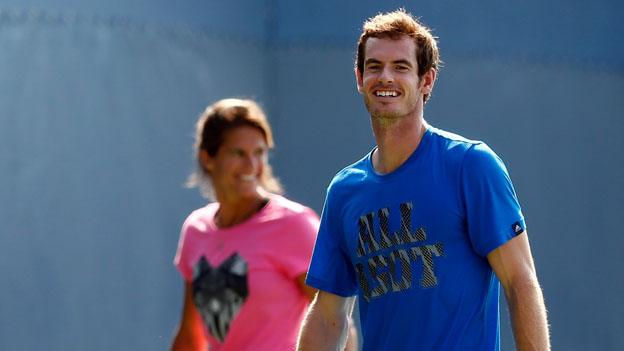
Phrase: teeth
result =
(386, 93)
(248, 178)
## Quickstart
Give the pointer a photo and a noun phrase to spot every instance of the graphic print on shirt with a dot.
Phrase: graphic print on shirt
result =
(219, 292)
(387, 260)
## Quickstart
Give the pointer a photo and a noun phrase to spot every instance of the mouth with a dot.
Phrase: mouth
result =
(386, 93)
(248, 178)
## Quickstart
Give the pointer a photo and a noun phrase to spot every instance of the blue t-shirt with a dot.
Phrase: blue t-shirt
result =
(412, 245)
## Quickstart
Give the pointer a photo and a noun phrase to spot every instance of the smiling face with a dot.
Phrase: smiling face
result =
(237, 168)
(390, 83)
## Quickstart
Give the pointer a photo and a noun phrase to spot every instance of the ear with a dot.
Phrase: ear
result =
(359, 80)
(428, 80)
(206, 161)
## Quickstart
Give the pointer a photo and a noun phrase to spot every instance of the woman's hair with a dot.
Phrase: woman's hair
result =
(210, 130)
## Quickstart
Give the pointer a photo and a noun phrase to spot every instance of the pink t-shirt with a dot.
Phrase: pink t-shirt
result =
(243, 276)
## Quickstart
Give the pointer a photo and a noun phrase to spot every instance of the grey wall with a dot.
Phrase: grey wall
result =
(95, 146)
(98, 101)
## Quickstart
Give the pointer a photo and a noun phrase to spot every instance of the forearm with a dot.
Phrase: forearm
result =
(190, 334)
(188, 343)
(321, 334)
(352, 338)
(189, 337)
(528, 316)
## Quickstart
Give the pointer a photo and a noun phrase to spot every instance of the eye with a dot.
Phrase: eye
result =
(373, 67)
(401, 68)
(238, 152)
(260, 152)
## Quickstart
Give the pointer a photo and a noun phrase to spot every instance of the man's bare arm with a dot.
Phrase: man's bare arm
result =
(513, 265)
(352, 339)
(327, 323)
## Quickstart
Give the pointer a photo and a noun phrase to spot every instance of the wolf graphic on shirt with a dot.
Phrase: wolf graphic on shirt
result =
(219, 292)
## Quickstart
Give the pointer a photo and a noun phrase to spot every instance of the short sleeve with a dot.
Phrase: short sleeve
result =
(181, 257)
(493, 214)
(330, 269)
(295, 246)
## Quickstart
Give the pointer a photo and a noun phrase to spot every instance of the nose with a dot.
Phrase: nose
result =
(252, 163)
(385, 76)
(249, 163)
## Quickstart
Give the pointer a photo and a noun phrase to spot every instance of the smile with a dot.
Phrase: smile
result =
(248, 178)
(384, 93)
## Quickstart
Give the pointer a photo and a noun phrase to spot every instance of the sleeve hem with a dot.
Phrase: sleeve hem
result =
(325, 286)
(500, 240)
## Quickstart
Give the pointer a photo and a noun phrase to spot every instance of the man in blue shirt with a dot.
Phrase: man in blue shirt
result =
(425, 228)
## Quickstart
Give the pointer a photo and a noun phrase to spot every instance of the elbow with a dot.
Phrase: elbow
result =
(523, 282)
(520, 289)
(525, 295)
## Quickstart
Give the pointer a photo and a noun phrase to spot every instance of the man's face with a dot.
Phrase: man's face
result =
(390, 83)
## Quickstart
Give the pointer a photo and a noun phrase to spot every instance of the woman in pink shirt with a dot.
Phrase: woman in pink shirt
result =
(244, 257)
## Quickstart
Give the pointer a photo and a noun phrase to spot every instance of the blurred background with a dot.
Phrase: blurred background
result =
(98, 101)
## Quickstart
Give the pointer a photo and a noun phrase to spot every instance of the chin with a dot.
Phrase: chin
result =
(381, 111)
(250, 191)
(386, 114)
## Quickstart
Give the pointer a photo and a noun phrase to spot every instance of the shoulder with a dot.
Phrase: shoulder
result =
(482, 159)
(450, 149)
(200, 219)
(466, 156)
(451, 142)
(459, 144)
(288, 209)
(482, 167)
(352, 175)
(291, 220)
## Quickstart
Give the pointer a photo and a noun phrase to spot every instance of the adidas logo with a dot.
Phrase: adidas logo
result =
(517, 228)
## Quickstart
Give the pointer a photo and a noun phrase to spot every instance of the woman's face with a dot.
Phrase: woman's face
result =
(238, 165)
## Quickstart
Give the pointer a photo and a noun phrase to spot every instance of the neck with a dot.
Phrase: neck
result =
(235, 211)
(396, 140)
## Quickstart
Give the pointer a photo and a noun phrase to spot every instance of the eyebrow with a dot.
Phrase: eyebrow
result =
(403, 62)
(369, 61)
(400, 62)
